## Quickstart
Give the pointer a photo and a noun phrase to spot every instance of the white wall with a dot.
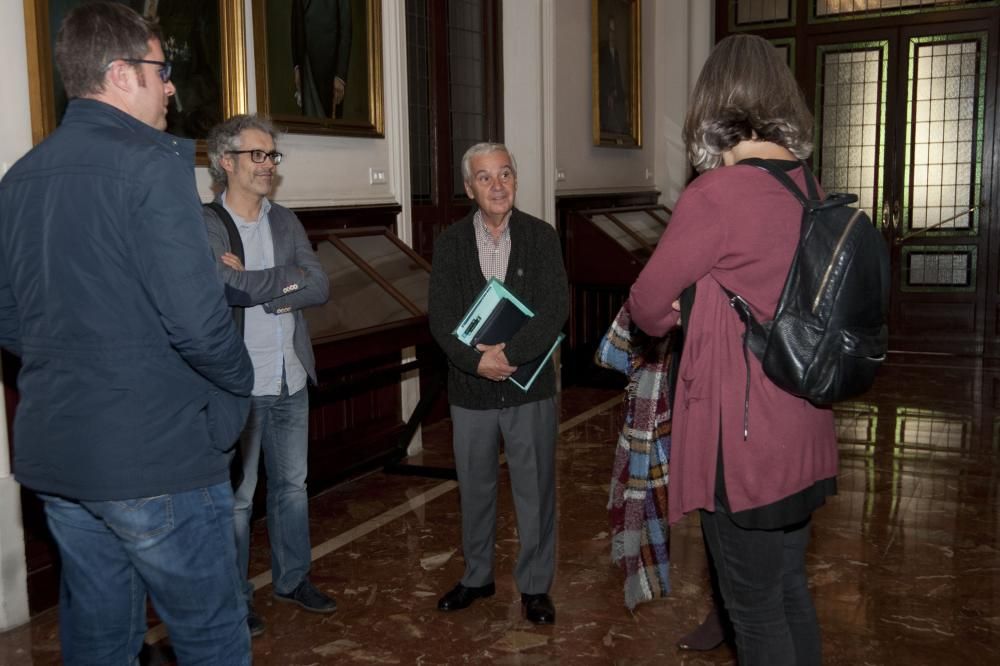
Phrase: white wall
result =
(589, 168)
(15, 139)
(527, 104)
(671, 30)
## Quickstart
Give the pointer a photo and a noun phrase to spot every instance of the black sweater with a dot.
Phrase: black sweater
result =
(535, 274)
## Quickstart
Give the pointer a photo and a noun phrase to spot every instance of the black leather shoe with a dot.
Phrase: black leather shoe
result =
(254, 622)
(462, 597)
(309, 597)
(538, 608)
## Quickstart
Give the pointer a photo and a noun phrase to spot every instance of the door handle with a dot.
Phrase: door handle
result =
(967, 211)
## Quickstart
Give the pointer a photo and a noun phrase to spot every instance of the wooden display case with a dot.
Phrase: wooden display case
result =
(605, 249)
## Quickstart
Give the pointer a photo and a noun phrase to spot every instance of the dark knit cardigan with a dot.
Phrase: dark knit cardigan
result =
(535, 274)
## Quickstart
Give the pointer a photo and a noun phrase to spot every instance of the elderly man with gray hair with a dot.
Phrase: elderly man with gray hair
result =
(271, 273)
(496, 240)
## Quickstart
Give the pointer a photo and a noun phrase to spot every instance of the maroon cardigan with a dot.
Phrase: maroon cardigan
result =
(737, 227)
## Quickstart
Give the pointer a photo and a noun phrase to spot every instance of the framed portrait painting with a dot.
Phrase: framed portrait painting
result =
(319, 65)
(616, 66)
(203, 39)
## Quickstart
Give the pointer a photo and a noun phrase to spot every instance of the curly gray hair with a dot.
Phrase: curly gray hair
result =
(225, 137)
(483, 149)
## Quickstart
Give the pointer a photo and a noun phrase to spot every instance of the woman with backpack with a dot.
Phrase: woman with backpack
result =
(752, 459)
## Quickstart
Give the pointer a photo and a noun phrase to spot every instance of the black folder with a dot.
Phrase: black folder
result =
(501, 324)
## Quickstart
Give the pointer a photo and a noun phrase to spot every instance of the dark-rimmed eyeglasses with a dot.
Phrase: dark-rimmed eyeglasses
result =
(258, 156)
(165, 66)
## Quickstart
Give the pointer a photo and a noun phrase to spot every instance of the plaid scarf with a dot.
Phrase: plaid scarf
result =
(638, 500)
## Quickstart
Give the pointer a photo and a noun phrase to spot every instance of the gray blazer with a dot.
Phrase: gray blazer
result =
(297, 280)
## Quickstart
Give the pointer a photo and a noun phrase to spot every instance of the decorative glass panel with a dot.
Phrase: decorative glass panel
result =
(944, 132)
(356, 300)
(418, 87)
(752, 12)
(831, 8)
(396, 266)
(644, 224)
(929, 268)
(851, 93)
(619, 235)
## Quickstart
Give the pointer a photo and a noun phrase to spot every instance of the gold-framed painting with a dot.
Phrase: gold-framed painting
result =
(319, 65)
(203, 39)
(616, 71)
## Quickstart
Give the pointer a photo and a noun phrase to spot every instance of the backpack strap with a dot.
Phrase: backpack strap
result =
(754, 340)
(235, 246)
(235, 242)
(786, 180)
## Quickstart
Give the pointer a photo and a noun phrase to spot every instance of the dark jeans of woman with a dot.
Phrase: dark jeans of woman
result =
(762, 577)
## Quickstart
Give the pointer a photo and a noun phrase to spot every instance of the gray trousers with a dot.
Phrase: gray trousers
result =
(529, 434)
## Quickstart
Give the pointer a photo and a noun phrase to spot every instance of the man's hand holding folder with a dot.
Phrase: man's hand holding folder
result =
(494, 318)
(493, 365)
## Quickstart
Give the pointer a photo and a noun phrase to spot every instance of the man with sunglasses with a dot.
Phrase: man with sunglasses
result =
(134, 380)
(276, 277)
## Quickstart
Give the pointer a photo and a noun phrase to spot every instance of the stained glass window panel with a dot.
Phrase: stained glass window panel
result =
(832, 8)
(939, 269)
(851, 99)
(751, 12)
(944, 133)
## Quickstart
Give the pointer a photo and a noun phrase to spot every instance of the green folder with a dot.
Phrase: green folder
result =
(494, 317)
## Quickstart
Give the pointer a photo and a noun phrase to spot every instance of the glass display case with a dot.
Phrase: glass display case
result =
(610, 246)
(375, 281)
(377, 310)
(605, 249)
(378, 291)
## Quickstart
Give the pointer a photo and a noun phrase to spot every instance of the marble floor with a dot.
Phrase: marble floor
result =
(904, 563)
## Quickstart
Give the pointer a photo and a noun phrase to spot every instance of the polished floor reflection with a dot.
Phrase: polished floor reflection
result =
(904, 563)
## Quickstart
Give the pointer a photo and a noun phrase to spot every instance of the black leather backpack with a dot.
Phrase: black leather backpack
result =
(829, 333)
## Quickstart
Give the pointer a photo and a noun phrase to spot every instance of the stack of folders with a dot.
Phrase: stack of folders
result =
(495, 316)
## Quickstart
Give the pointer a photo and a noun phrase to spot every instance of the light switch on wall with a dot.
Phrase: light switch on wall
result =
(560, 175)
(376, 176)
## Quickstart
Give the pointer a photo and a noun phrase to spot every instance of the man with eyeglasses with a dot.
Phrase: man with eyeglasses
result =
(271, 274)
(134, 380)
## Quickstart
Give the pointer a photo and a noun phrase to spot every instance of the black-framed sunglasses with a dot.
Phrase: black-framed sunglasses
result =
(258, 156)
(165, 66)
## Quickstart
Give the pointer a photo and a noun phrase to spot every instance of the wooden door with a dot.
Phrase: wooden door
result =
(906, 118)
(454, 79)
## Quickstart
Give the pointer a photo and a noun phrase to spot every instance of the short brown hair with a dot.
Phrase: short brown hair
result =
(94, 35)
(745, 89)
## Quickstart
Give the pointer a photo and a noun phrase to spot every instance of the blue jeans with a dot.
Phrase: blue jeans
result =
(762, 577)
(278, 426)
(177, 549)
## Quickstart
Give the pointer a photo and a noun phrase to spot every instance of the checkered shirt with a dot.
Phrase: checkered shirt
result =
(493, 254)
